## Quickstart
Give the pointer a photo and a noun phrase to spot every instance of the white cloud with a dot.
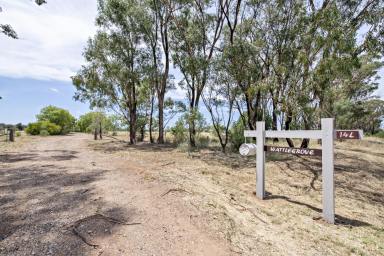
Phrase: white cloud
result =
(52, 38)
(54, 90)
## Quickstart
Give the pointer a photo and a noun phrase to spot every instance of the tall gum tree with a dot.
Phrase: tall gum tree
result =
(115, 61)
(195, 32)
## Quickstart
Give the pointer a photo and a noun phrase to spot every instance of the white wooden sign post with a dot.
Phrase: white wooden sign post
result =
(327, 134)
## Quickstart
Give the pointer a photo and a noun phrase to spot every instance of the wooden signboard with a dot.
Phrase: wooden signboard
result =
(293, 151)
(327, 134)
(349, 134)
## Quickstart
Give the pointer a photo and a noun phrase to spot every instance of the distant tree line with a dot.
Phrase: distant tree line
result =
(18, 126)
(57, 121)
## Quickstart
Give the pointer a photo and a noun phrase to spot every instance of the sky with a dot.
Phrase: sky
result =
(35, 70)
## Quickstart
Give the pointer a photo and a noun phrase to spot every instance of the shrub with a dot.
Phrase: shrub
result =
(51, 128)
(33, 128)
(18, 134)
(58, 116)
(203, 141)
(237, 135)
(44, 133)
(380, 134)
(179, 132)
(38, 128)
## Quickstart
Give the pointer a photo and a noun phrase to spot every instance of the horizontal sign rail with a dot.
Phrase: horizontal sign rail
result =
(308, 134)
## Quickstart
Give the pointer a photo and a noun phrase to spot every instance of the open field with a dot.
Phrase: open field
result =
(71, 195)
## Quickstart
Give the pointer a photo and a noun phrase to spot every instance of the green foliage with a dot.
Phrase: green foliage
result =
(18, 134)
(91, 120)
(179, 131)
(44, 133)
(237, 135)
(45, 127)
(58, 116)
(367, 115)
(380, 134)
(288, 63)
(19, 126)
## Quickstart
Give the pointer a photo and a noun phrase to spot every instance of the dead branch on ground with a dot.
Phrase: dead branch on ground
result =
(174, 190)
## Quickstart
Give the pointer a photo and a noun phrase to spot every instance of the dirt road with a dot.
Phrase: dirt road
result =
(58, 196)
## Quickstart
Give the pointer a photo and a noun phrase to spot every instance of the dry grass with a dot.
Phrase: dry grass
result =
(288, 221)
(221, 187)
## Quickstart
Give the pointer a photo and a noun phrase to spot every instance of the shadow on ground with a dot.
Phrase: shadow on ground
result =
(40, 203)
(339, 220)
(57, 155)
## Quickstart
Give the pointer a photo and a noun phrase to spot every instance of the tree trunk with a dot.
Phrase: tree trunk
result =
(274, 118)
(151, 120)
(304, 143)
(160, 140)
(101, 132)
(95, 134)
(132, 127)
(192, 133)
(287, 124)
(163, 87)
(192, 123)
(223, 146)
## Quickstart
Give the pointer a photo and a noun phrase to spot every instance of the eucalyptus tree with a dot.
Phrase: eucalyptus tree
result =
(219, 98)
(195, 32)
(115, 61)
(294, 58)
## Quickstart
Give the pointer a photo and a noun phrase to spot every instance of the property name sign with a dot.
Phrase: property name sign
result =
(294, 151)
(327, 134)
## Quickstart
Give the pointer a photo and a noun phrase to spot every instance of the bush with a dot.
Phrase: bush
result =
(237, 135)
(380, 134)
(43, 128)
(203, 141)
(179, 132)
(18, 134)
(44, 133)
(51, 128)
(60, 117)
(33, 128)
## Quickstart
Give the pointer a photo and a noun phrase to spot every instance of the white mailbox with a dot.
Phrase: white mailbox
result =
(247, 149)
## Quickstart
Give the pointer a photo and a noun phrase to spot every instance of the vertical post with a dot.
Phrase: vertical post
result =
(328, 133)
(11, 135)
(260, 160)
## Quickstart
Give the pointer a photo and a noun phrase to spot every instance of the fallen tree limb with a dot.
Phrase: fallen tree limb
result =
(97, 216)
(174, 190)
(77, 233)
(167, 164)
